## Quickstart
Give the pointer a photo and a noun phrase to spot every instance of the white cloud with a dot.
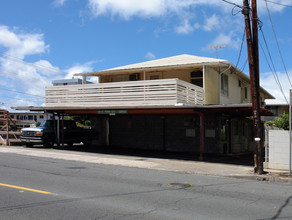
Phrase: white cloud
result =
(46, 68)
(212, 23)
(79, 68)
(127, 8)
(22, 76)
(268, 82)
(155, 8)
(59, 3)
(22, 44)
(228, 40)
(149, 56)
(29, 77)
(185, 27)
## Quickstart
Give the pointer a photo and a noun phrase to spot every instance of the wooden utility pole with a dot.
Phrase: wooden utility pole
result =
(253, 59)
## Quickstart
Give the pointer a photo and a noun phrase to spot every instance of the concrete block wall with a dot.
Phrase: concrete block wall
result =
(278, 149)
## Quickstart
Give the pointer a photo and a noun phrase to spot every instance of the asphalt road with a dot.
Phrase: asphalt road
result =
(45, 188)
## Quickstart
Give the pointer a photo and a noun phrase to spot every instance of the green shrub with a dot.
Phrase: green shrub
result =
(281, 122)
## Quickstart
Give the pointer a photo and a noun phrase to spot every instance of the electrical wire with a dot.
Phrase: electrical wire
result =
(274, 75)
(31, 99)
(232, 3)
(240, 52)
(278, 44)
(276, 3)
(19, 60)
(273, 70)
(244, 65)
(24, 93)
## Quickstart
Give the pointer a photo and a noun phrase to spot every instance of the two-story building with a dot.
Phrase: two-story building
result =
(180, 103)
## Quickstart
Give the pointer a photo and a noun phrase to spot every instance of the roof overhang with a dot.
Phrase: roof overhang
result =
(234, 110)
(151, 69)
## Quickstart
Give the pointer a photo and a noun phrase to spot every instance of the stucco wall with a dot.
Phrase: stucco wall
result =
(212, 85)
(234, 91)
(278, 149)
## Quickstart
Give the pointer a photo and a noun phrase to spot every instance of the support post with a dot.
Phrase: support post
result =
(202, 135)
(83, 79)
(62, 118)
(7, 128)
(58, 131)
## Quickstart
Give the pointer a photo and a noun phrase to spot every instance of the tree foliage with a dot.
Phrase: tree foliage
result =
(281, 122)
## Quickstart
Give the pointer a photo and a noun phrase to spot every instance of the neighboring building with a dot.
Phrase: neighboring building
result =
(277, 107)
(65, 82)
(181, 103)
(28, 119)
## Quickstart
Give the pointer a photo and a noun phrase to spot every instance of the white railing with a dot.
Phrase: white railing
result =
(163, 92)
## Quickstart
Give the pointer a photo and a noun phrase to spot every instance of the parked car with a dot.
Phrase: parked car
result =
(46, 134)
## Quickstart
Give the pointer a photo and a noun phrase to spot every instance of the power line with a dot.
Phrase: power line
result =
(276, 3)
(278, 44)
(29, 99)
(273, 70)
(19, 60)
(232, 3)
(244, 65)
(239, 56)
(24, 93)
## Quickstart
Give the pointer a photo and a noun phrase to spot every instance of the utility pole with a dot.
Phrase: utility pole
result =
(253, 59)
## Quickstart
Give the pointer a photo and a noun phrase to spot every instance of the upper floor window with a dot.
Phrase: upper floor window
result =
(134, 77)
(224, 84)
(197, 78)
(245, 92)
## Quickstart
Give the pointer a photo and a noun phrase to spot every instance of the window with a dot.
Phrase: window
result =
(197, 78)
(239, 83)
(224, 84)
(134, 77)
(245, 92)
(30, 117)
(41, 116)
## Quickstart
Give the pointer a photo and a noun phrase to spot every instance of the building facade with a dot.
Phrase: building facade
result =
(182, 103)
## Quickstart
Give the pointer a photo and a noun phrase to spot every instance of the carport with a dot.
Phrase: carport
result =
(183, 128)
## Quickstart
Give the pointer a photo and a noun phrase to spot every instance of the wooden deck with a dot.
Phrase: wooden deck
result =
(163, 92)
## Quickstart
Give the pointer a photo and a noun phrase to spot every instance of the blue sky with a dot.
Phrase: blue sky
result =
(45, 40)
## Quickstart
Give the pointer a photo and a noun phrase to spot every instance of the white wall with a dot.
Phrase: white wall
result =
(234, 96)
(278, 149)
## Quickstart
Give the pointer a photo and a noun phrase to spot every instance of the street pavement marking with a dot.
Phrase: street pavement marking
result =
(23, 188)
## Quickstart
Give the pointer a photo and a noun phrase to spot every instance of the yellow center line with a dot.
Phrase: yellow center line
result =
(23, 188)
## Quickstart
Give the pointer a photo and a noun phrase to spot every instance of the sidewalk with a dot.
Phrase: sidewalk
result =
(174, 165)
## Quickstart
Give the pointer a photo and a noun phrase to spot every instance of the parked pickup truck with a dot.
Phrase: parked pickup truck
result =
(45, 134)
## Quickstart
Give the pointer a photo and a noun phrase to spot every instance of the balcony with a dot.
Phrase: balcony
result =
(149, 93)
